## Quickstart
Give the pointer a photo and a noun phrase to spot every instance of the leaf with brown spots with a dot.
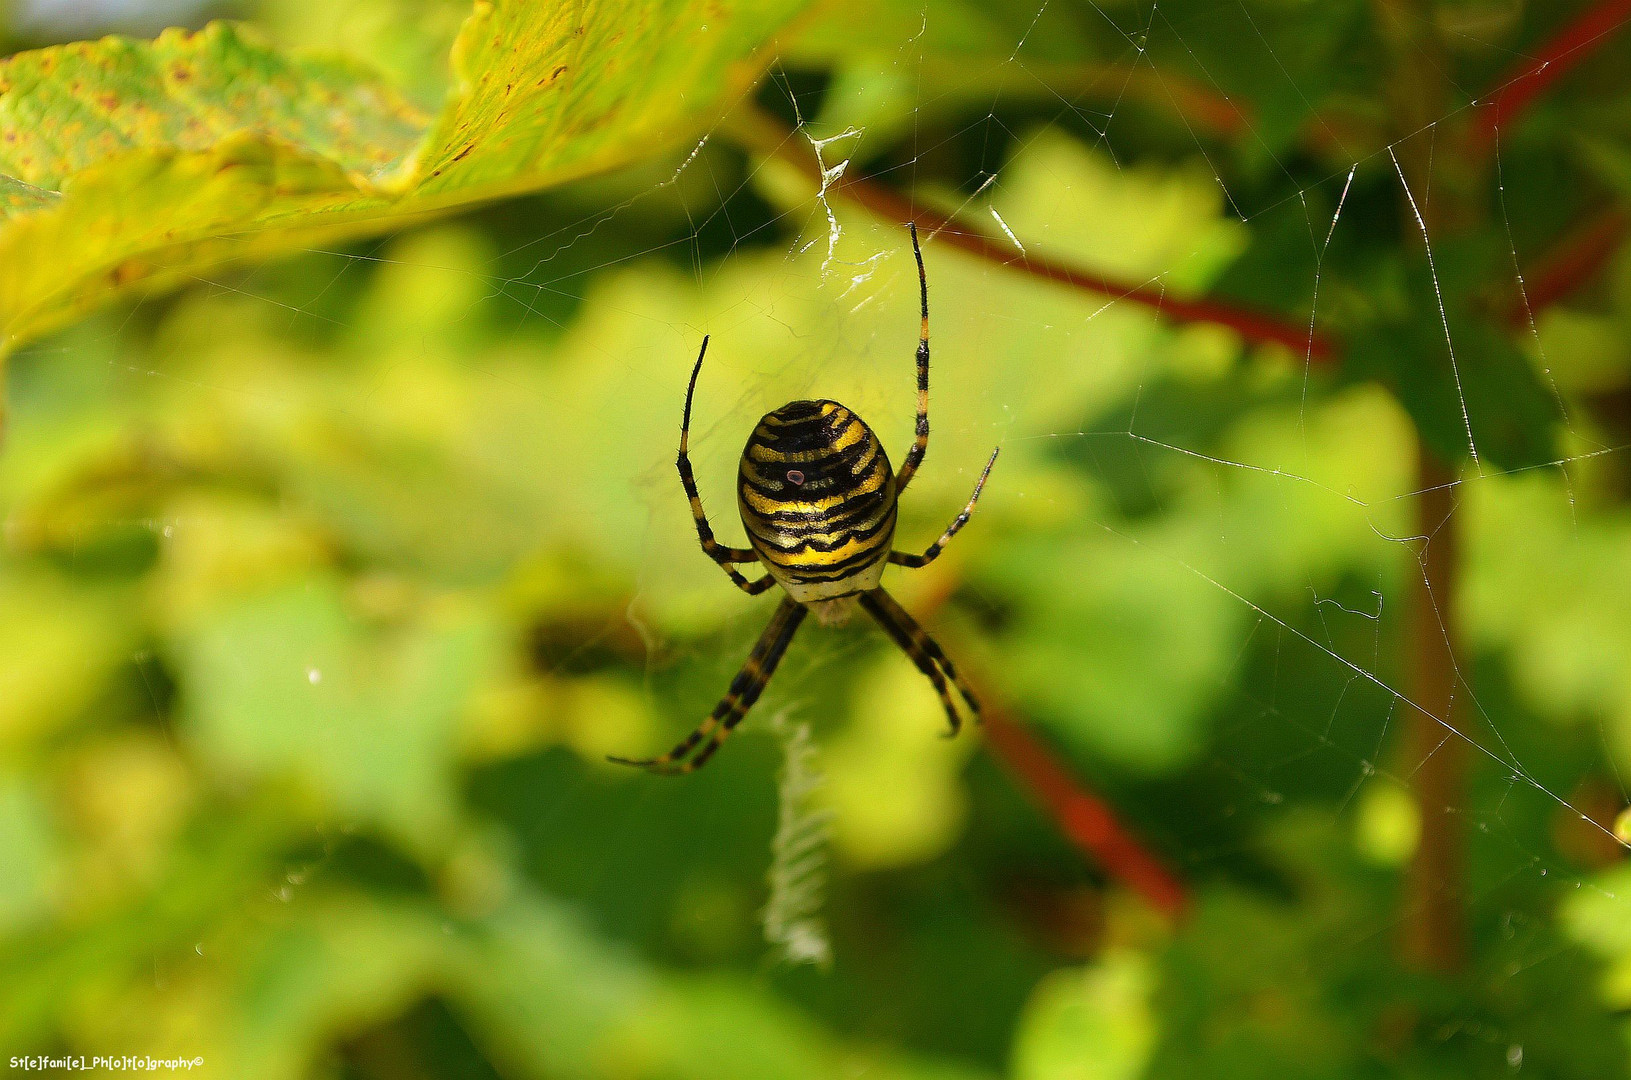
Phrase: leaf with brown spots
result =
(130, 165)
(17, 197)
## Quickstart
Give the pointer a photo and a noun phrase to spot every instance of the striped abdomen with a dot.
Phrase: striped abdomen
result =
(817, 497)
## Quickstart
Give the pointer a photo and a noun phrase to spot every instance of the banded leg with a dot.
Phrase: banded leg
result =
(901, 558)
(716, 551)
(922, 650)
(920, 445)
(744, 691)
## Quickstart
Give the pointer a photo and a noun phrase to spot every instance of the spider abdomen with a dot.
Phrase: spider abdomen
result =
(817, 497)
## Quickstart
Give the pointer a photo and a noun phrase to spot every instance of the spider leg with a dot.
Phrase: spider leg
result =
(900, 558)
(716, 551)
(922, 650)
(920, 445)
(744, 691)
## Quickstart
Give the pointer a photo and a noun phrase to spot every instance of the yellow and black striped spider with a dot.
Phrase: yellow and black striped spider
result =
(817, 499)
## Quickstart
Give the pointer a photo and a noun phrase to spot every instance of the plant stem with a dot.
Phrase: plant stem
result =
(1573, 260)
(1086, 820)
(1434, 928)
(1439, 198)
(1521, 86)
(767, 136)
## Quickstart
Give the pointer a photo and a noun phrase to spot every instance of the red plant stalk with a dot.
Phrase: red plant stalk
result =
(1522, 85)
(1571, 262)
(1087, 821)
(1256, 326)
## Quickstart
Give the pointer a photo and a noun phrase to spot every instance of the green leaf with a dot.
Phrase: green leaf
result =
(287, 682)
(1560, 622)
(553, 1000)
(1311, 1005)
(1092, 1023)
(886, 751)
(61, 645)
(27, 848)
(1595, 917)
(175, 155)
(334, 957)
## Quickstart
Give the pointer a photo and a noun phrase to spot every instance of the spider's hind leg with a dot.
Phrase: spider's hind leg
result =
(923, 651)
(744, 691)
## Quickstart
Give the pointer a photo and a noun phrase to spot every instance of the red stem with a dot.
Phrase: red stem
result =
(1258, 327)
(1087, 821)
(1575, 259)
(1254, 325)
(1522, 85)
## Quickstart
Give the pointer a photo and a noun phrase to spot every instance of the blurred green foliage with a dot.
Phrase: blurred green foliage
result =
(327, 583)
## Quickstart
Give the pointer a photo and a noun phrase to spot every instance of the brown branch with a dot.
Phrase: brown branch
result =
(1435, 921)
(1434, 928)
(1521, 86)
(768, 136)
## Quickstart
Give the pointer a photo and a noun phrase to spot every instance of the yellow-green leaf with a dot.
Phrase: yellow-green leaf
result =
(127, 165)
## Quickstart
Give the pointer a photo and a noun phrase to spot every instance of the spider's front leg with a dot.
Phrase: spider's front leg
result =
(716, 551)
(920, 440)
(744, 691)
(901, 558)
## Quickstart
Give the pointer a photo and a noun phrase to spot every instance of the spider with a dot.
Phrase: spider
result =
(817, 498)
